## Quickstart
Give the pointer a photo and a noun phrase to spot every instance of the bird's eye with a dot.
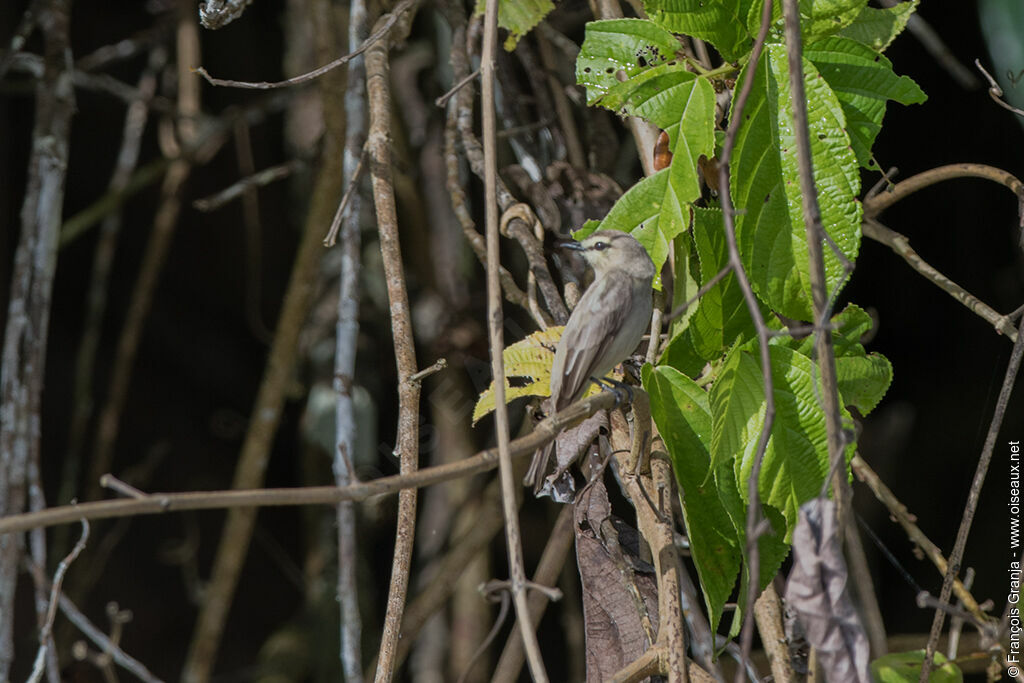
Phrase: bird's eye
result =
(601, 246)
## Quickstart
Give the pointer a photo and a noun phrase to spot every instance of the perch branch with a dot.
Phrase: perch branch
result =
(157, 503)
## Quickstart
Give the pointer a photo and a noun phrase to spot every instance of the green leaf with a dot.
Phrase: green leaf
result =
(863, 81)
(877, 28)
(905, 667)
(620, 45)
(737, 408)
(680, 103)
(796, 461)
(518, 16)
(771, 546)
(820, 18)
(862, 378)
(720, 22)
(681, 354)
(721, 316)
(766, 186)
(680, 410)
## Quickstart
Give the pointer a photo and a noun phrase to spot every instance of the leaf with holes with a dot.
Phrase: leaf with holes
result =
(723, 23)
(527, 370)
(618, 49)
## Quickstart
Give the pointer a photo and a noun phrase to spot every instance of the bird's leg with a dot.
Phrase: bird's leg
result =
(616, 387)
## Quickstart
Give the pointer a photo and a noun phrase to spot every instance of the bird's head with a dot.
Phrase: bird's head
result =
(613, 250)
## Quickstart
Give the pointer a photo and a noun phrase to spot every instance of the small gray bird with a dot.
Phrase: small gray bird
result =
(605, 327)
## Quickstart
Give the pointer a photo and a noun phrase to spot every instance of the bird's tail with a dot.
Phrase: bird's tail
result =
(539, 467)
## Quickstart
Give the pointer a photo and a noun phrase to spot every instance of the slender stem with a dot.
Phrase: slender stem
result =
(754, 518)
(407, 449)
(1009, 379)
(346, 335)
(496, 333)
(157, 503)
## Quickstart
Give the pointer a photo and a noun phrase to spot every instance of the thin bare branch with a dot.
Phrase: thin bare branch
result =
(509, 485)
(901, 245)
(158, 503)
(995, 92)
(46, 631)
(754, 516)
(240, 187)
(955, 557)
(388, 23)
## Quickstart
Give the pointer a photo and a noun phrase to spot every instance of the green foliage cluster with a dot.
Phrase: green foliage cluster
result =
(707, 392)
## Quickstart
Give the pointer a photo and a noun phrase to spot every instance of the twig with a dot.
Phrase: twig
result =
(251, 467)
(728, 212)
(519, 222)
(379, 150)
(439, 365)
(556, 550)
(496, 334)
(236, 190)
(446, 575)
(458, 202)
(901, 245)
(46, 631)
(151, 268)
(96, 301)
(1009, 379)
(389, 21)
(995, 92)
(860, 577)
(23, 361)
(905, 519)
(109, 481)
(880, 202)
(107, 646)
(343, 214)
(157, 503)
(463, 82)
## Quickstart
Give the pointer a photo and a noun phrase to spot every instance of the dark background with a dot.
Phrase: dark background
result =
(201, 361)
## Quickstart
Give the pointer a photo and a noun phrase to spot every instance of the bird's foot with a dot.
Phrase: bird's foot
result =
(616, 387)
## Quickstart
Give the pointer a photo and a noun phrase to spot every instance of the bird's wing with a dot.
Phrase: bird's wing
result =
(592, 328)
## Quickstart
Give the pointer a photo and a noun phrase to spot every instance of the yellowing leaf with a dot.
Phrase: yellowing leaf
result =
(527, 370)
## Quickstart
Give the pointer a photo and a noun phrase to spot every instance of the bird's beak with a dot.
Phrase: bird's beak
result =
(569, 244)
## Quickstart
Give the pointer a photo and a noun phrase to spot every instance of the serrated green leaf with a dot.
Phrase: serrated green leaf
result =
(863, 381)
(766, 186)
(628, 46)
(771, 546)
(683, 105)
(737, 408)
(863, 81)
(905, 667)
(821, 18)
(722, 315)
(720, 22)
(653, 212)
(877, 28)
(518, 17)
(862, 378)
(796, 460)
(681, 354)
(680, 410)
